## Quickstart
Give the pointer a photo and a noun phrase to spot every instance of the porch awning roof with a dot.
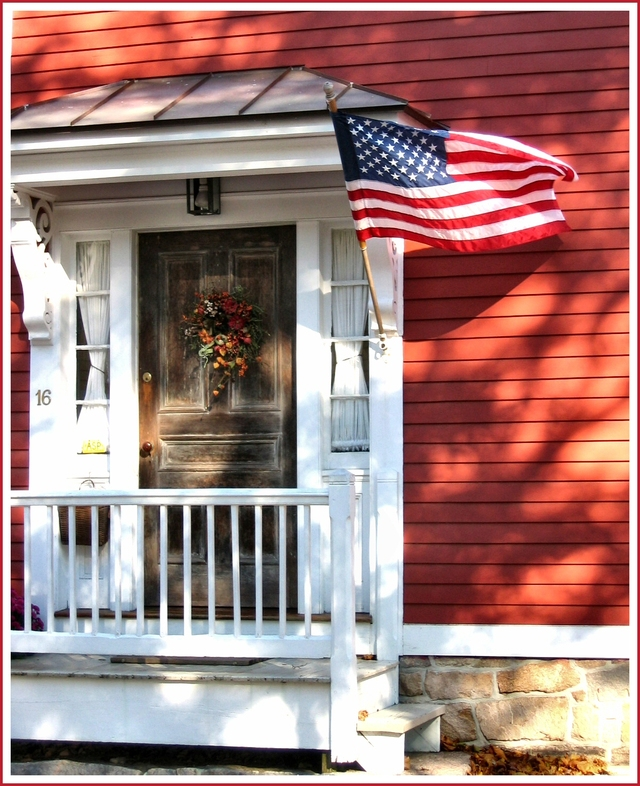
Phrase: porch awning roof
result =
(259, 122)
(198, 97)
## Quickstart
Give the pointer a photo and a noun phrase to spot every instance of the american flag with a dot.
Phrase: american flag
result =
(460, 191)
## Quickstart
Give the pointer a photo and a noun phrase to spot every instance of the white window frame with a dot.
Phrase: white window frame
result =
(116, 468)
(355, 461)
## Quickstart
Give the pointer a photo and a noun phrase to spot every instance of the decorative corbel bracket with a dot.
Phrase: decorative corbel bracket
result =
(33, 264)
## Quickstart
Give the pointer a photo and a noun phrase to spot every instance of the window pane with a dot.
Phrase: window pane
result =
(349, 358)
(92, 341)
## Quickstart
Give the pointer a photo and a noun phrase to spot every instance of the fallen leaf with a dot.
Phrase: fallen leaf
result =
(498, 761)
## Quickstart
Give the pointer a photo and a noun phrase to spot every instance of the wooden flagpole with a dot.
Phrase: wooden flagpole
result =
(333, 108)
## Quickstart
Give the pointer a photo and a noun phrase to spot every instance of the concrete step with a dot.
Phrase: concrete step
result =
(386, 735)
(400, 718)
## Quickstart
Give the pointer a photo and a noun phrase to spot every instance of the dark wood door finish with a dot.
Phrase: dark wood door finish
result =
(245, 437)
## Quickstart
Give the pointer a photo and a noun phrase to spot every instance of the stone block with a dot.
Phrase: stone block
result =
(543, 676)
(458, 685)
(609, 684)
(626, 729)
(458, 723)
(449, 661)
(612, 730)
(420, 661)
(591, 664)
(557, 749)
(58, 767)
(620, 756)
(586, 722)
(446, 764)
(524, 718)
(411, 683)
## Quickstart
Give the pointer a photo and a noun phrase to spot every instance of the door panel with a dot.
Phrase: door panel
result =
(244, 438)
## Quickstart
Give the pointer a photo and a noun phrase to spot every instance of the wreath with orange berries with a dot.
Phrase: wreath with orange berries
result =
(226, 330)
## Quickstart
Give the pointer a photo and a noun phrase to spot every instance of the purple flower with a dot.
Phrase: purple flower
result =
(17, 613)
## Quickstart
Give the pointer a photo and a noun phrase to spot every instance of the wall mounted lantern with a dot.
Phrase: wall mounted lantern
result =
(203, 196)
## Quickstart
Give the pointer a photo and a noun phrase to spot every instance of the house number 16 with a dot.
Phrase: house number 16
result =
(44, 398)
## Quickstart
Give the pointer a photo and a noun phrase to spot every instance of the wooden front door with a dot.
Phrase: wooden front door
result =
(243, 438)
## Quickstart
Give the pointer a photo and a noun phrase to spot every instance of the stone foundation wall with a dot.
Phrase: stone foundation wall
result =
(555, 706)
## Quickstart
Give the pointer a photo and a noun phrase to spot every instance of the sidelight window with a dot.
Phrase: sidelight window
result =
(92, 345)
(349, 340)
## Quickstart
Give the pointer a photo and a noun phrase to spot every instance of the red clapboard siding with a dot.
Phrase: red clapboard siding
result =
(472, 614)
(516, 369)
(19, 419)
(516, 363)
(76, 51)
(530, 513)
(465, 532)
(516, 452)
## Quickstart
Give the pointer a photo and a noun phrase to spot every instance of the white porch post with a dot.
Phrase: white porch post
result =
(344, 681)
(386, 258)
(389, 561)
(43, 285)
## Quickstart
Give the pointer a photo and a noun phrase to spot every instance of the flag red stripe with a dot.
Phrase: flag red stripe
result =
(504, 149)
(380, 214)
(462, 171)
(453, 200)
(490, 243)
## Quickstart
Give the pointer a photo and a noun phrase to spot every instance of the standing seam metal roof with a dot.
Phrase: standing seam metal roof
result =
(198, 97)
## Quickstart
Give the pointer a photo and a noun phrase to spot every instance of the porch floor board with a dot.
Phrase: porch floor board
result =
(316, 670)
(201, 612)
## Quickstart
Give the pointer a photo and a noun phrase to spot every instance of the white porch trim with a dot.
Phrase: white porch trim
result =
(520, 641)
(224, 148)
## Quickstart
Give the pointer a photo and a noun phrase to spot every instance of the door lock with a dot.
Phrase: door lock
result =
(146, 377)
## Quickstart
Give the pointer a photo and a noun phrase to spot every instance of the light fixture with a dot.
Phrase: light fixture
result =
(203, 196)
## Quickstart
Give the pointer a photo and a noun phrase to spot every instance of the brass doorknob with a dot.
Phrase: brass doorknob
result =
(146, 447)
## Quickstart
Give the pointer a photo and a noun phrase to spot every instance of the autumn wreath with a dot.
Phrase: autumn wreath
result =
(224, 328)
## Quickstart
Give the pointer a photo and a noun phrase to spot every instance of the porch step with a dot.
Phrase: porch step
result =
(386, 735)
(400, 718)
(198, 670)
(274, 703)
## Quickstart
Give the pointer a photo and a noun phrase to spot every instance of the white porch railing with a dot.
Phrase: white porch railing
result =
(128, 629)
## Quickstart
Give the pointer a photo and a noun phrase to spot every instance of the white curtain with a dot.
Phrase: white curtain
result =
(349, 311)
(92, 275)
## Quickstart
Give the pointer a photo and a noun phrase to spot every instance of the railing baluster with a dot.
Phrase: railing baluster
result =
(139, 570)
(27, 565)
(117, 567)
(282, 570)
(95, 573)
(306, 528)
(186, 568)
(51, 585)
(211, 570)
(126, 571)
(164, 572)
(73, 610)
(235, 562)
(258, 560)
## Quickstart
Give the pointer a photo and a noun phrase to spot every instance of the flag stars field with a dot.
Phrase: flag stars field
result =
(460, 191)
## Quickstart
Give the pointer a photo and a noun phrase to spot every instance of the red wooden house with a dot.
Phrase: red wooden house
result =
(487, 451)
